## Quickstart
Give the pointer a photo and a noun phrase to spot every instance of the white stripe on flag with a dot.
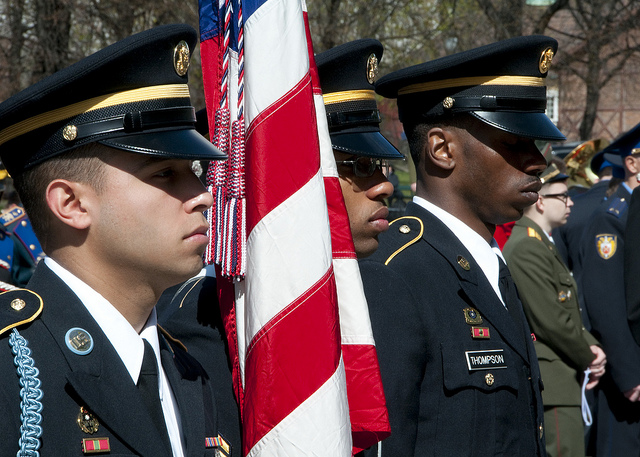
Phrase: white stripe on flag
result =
(315, 428)
(290, 252)
(278, 56)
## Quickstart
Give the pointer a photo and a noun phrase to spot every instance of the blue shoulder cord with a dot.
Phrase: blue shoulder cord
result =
(30, 394)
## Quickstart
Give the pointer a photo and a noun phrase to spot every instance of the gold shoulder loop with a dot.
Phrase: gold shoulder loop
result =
(168, 336)
(195, 283)
(533, 234)
(18, 307)
(410, 242)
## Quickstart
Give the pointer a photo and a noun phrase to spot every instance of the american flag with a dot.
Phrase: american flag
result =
(305, 367)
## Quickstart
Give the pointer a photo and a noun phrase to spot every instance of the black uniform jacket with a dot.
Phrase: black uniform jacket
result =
(190, 313)
(632, 264)
(97, 381)
(602, 280)
(568, 237)
(460, 375)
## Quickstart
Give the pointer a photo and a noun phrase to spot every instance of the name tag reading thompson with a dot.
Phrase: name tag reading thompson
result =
(485, 360)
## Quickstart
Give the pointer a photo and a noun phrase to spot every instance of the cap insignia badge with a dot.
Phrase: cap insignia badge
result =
(448, 102)
(181, 57)
(372, 68)
(472, 316)
(606, 245)
(87, 421)
(545, 60)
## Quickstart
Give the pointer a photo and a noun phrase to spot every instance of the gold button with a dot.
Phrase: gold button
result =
(541, 431)
(448, 102)
(23, 223)
(404, 229)
(489, 379)
(32, 247)
(70, 132)
(18, 304)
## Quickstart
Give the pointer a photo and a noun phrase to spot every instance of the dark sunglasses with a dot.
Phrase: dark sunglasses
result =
(365, 167)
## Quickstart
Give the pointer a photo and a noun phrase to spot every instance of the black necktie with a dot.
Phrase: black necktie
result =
(504, 282)
(148, 387)
(510, 294)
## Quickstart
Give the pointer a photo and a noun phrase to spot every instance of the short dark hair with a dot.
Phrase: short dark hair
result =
(417, 132)
(84, 164)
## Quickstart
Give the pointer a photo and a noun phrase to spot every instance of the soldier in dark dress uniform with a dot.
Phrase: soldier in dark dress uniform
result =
(100, 154)
(459, 370)
(602, 282)
(632, 264)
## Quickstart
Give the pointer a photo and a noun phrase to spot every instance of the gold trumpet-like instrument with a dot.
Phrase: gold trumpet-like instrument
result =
(579, 159)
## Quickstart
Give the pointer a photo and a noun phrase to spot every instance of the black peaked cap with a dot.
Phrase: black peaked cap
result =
(502, 84)
(347, 73)
(626, 144)
(132, 96)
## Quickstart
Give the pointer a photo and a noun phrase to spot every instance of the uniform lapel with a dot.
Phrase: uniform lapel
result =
(473, 282)
(100, 379)
(187, 389)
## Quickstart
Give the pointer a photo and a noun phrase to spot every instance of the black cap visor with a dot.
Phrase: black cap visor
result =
(536, 126)
(614, 157)
(171, 144)
(369, 144)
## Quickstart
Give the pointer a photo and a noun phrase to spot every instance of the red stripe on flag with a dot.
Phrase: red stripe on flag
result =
(367, 407)
(211, 74)
(280, 156)
(290, 358)
(341, 240)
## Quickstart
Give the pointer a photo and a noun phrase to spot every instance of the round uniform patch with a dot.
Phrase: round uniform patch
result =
(606, 245)
(79, 341)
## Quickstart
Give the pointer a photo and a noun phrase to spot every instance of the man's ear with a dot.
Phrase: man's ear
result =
(632, 164)
(439, 147)
(67, 201)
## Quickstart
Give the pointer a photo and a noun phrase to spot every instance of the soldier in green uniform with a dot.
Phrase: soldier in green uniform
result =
(550, 298)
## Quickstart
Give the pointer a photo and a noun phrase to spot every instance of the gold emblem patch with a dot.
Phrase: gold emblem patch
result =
(372, 68)
(472, 316)
(181, 57)
(87, 421)
(545, 60)
(606, 244)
